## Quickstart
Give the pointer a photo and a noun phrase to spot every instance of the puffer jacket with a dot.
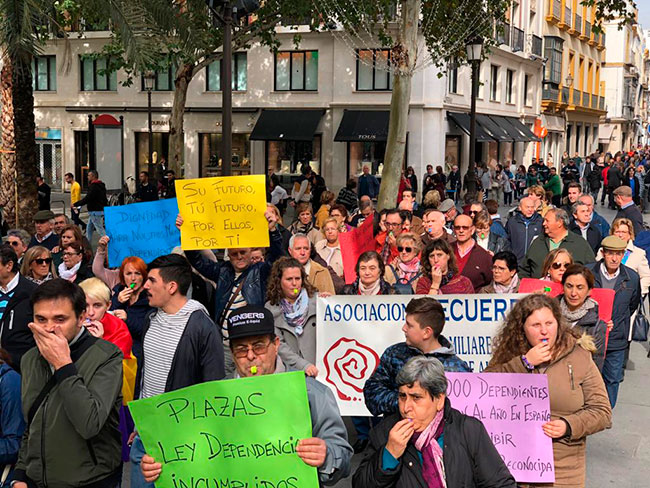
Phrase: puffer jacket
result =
(594, 326)
(380, 390)
(74, 438)
(521, 232)
(578, 396)
(15, 336)
(469, 457)
(296, 351)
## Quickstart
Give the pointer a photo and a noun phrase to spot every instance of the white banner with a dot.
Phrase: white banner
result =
(353, 332)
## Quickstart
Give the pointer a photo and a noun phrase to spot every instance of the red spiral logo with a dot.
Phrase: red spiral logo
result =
(348, 364)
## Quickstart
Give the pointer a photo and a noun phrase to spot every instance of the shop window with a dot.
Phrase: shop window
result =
(373, 70)
(160, 152)
(163, 81)
(362, 153)
(210, 161)
(239, 74)
(296, 71)
(95, 75)
(287, 157)
(44, 73)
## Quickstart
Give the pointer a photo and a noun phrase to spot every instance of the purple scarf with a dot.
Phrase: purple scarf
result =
(433, 468)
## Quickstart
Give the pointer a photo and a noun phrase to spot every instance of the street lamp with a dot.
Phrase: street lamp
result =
(569, 80)
(474, 53)
(149, 79)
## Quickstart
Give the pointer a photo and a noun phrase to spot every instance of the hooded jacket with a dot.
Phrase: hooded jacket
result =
(469, 457)
(521, 232)
(380, 390)
(95, 199)
(578, 396)
(15, 336)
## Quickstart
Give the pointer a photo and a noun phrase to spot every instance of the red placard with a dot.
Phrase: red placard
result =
(353, 244)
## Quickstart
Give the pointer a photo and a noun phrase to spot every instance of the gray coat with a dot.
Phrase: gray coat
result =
(296, 351)
(326, 424)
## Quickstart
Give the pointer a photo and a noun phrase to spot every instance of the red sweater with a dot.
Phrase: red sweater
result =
(116, 332)
(457, 285)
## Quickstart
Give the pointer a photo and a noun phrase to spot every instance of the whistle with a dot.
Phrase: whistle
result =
(132, 286)
(253, 369)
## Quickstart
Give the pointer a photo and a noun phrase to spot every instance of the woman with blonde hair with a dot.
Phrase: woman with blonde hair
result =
(304, 223)
(326, 202)
(329, 248)
(431, 199)
(634, 257)
(555, 265)
(405, 270)
(536, 339)
(538, 194)
(38, 265)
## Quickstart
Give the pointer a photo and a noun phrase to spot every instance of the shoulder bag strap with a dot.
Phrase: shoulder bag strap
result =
(231, 300)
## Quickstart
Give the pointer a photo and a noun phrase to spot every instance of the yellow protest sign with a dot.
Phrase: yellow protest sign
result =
(223, 212)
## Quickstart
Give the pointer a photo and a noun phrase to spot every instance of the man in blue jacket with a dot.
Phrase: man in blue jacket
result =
(611, 274)
(368, 184)
(523, 227)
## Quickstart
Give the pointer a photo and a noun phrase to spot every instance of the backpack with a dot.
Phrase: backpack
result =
(403, 288)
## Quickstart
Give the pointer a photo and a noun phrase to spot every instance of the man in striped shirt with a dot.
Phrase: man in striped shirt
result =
(181, 345)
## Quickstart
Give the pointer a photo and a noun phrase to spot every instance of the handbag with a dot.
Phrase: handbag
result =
(640, 325)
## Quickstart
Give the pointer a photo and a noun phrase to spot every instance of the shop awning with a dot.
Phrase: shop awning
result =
(363, 125)
(286, 125)
(494, 129)
(517, 129)
(605, 133)
(462, 121)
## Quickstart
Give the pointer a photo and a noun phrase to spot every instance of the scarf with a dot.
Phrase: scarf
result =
(408, 271)
(296, 313)
(511, 288)
(299, 228)
(370, 290)
(574, 316)
(68, 274)
(433, 468)
(385, 250)
(40, 282)
(446, 279)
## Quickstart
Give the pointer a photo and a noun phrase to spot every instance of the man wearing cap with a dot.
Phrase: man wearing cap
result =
(448, 208)
(610, 273)
(254, 347)
(628, 209)
(45, 235)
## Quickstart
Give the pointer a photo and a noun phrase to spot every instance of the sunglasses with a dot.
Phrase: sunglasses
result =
(14, 243)
(43, 260)
(559, 265)
(461, 227)
(403, 248)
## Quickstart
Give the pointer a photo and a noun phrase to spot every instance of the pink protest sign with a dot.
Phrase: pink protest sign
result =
(513, 408)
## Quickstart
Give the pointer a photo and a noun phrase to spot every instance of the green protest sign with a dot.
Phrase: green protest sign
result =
(238, 433)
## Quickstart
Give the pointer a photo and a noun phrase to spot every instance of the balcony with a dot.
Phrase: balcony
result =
(517, 39)
(566, 20)
(586, 33)
(576, 30)
(577, 97)
(550, 93)
(554, 11)
(601, 103)
(536, 46)
(601, 42)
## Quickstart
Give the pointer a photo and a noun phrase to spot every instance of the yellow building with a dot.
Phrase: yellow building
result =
(573, 94)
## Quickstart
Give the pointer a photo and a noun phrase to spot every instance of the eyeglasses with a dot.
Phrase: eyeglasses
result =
(68, 254)
(43, 260)
(392, 224)
(462, 227)
(258, 350)
(404, 248)
(14, 243)
(559, 265)
(473, 212)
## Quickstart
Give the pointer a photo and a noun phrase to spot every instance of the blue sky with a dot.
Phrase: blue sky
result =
(644, 13)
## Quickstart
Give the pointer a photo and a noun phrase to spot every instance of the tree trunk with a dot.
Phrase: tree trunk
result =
(403, 59)
(8, 157)
(24, 127)
(176, 131)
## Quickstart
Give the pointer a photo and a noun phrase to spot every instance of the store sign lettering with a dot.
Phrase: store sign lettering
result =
(367, 137)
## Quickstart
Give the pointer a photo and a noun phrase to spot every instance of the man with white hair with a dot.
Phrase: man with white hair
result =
(582, 225)
(318, 276)
(596, 219)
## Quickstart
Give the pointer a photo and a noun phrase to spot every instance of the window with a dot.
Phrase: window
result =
(553, 53)
(494, 79)
(510, 75)
(44, 73)
(210, 161)
(94, 75)
(527, 85)
(452, 75)
(163, 81)
(239, 74)
(296, 70)
(373, 70)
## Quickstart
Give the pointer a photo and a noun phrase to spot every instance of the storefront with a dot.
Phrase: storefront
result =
(290, 141)
(365, 133)
(48, 154)
(210, 160)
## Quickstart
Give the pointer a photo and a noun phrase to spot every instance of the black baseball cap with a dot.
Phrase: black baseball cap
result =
(251, 320)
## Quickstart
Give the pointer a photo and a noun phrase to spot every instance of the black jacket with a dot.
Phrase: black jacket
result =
(198, 357)
(470, 458)
(95, 199)
(594, 236)
(44, 193)
(634, 214)
(148, 193)
(15, 337)
(49, 243)
(614, 177)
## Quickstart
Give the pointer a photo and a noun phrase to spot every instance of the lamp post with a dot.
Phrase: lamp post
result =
(149, 80)
(568, 81)
(474, 53)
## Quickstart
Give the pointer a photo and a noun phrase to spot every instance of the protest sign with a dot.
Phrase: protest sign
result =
(234, 433)
(146, 230)
(352, 333)
(513, 408)
(223, 212)
(353, 244)
(532, 285)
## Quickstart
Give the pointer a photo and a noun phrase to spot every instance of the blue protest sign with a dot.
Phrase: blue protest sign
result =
(146, 230)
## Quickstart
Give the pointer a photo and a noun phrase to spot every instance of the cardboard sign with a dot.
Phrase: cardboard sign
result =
(352, 333)
(146, 230)
(223, 212)
(513, 408)
(354, 244)
(240, 432)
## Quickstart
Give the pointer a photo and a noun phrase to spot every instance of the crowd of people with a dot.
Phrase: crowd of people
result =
(86, 338)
